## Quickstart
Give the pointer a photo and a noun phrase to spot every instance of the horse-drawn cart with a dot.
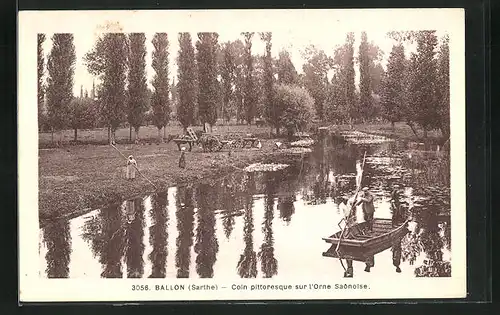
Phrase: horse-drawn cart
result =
(214, 142)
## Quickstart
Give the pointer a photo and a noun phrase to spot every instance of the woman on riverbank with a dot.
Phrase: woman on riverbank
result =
(131, 167)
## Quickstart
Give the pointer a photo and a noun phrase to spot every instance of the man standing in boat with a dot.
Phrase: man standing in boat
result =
(396, 206)
(366, 199)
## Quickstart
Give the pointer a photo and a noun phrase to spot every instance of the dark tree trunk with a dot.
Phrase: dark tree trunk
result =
(109, 135)
(393, 127)
(130, 133)
(76, 134)
(159, 135)
(426, 141)
(136, 135)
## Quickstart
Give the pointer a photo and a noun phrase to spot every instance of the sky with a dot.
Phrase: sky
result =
(294, 38)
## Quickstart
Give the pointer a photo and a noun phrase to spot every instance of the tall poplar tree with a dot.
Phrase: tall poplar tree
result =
(206, 58)
(272, 113)
(174, 98)
(160, 101)
(316, 77)
(423, 78)
(61, 70)
(393, 89)
(349, 78)
(228, 67)
(40, 87)
(249, 99)
(238, 49)
(365, 86)
(108, 60)
(137, 86)
(187, 77)
(443, 87)
(287, 74)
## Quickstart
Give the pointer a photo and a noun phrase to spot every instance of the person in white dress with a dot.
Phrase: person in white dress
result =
(131, 167)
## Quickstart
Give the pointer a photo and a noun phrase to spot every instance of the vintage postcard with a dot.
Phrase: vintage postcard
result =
(241, 155)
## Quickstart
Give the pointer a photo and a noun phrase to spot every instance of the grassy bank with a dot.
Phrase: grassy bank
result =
(78, 178)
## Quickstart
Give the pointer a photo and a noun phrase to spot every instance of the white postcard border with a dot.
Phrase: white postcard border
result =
(33, 288)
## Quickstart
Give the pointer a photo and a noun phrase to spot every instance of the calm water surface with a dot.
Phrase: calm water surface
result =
(253, 225)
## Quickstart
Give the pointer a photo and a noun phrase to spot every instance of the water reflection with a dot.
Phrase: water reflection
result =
(206, 246)
(134, 233)
(57, 240)
(247, 265)
(111, 242)
(231, 205)
(158, 235)
(185, 224)
(269, 263)
(254, 225)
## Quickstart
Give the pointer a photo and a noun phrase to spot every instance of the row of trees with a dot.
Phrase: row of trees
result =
(229, 81)
(417, 89)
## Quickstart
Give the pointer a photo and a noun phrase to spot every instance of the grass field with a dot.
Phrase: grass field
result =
(77, 177)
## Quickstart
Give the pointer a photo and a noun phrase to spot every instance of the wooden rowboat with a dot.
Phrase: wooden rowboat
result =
(362, 244)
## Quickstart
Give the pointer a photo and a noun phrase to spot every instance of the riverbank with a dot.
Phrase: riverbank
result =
(401, 132)
(76, 179)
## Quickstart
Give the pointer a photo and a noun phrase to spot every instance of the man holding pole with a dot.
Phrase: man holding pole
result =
(366, 199)
(396, 206)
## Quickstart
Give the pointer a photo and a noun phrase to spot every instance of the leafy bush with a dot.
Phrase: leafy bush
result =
(295, 106)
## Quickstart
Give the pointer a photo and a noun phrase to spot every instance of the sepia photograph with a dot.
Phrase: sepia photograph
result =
(258, 154)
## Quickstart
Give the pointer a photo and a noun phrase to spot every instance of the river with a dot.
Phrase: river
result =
(259, 224)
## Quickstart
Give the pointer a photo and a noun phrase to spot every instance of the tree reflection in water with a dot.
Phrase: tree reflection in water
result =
(111, 242)
(206, 246)
(185, 223)
(286, 207)
(134, 233)
(320, 186)
(57, 239)
(269, 264)
(158, 235)
(230, 203)
(247, 265)
(427, 239)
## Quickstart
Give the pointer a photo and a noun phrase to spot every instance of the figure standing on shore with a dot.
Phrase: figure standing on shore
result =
(131, 167)
(182, 158)
(368, 208)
